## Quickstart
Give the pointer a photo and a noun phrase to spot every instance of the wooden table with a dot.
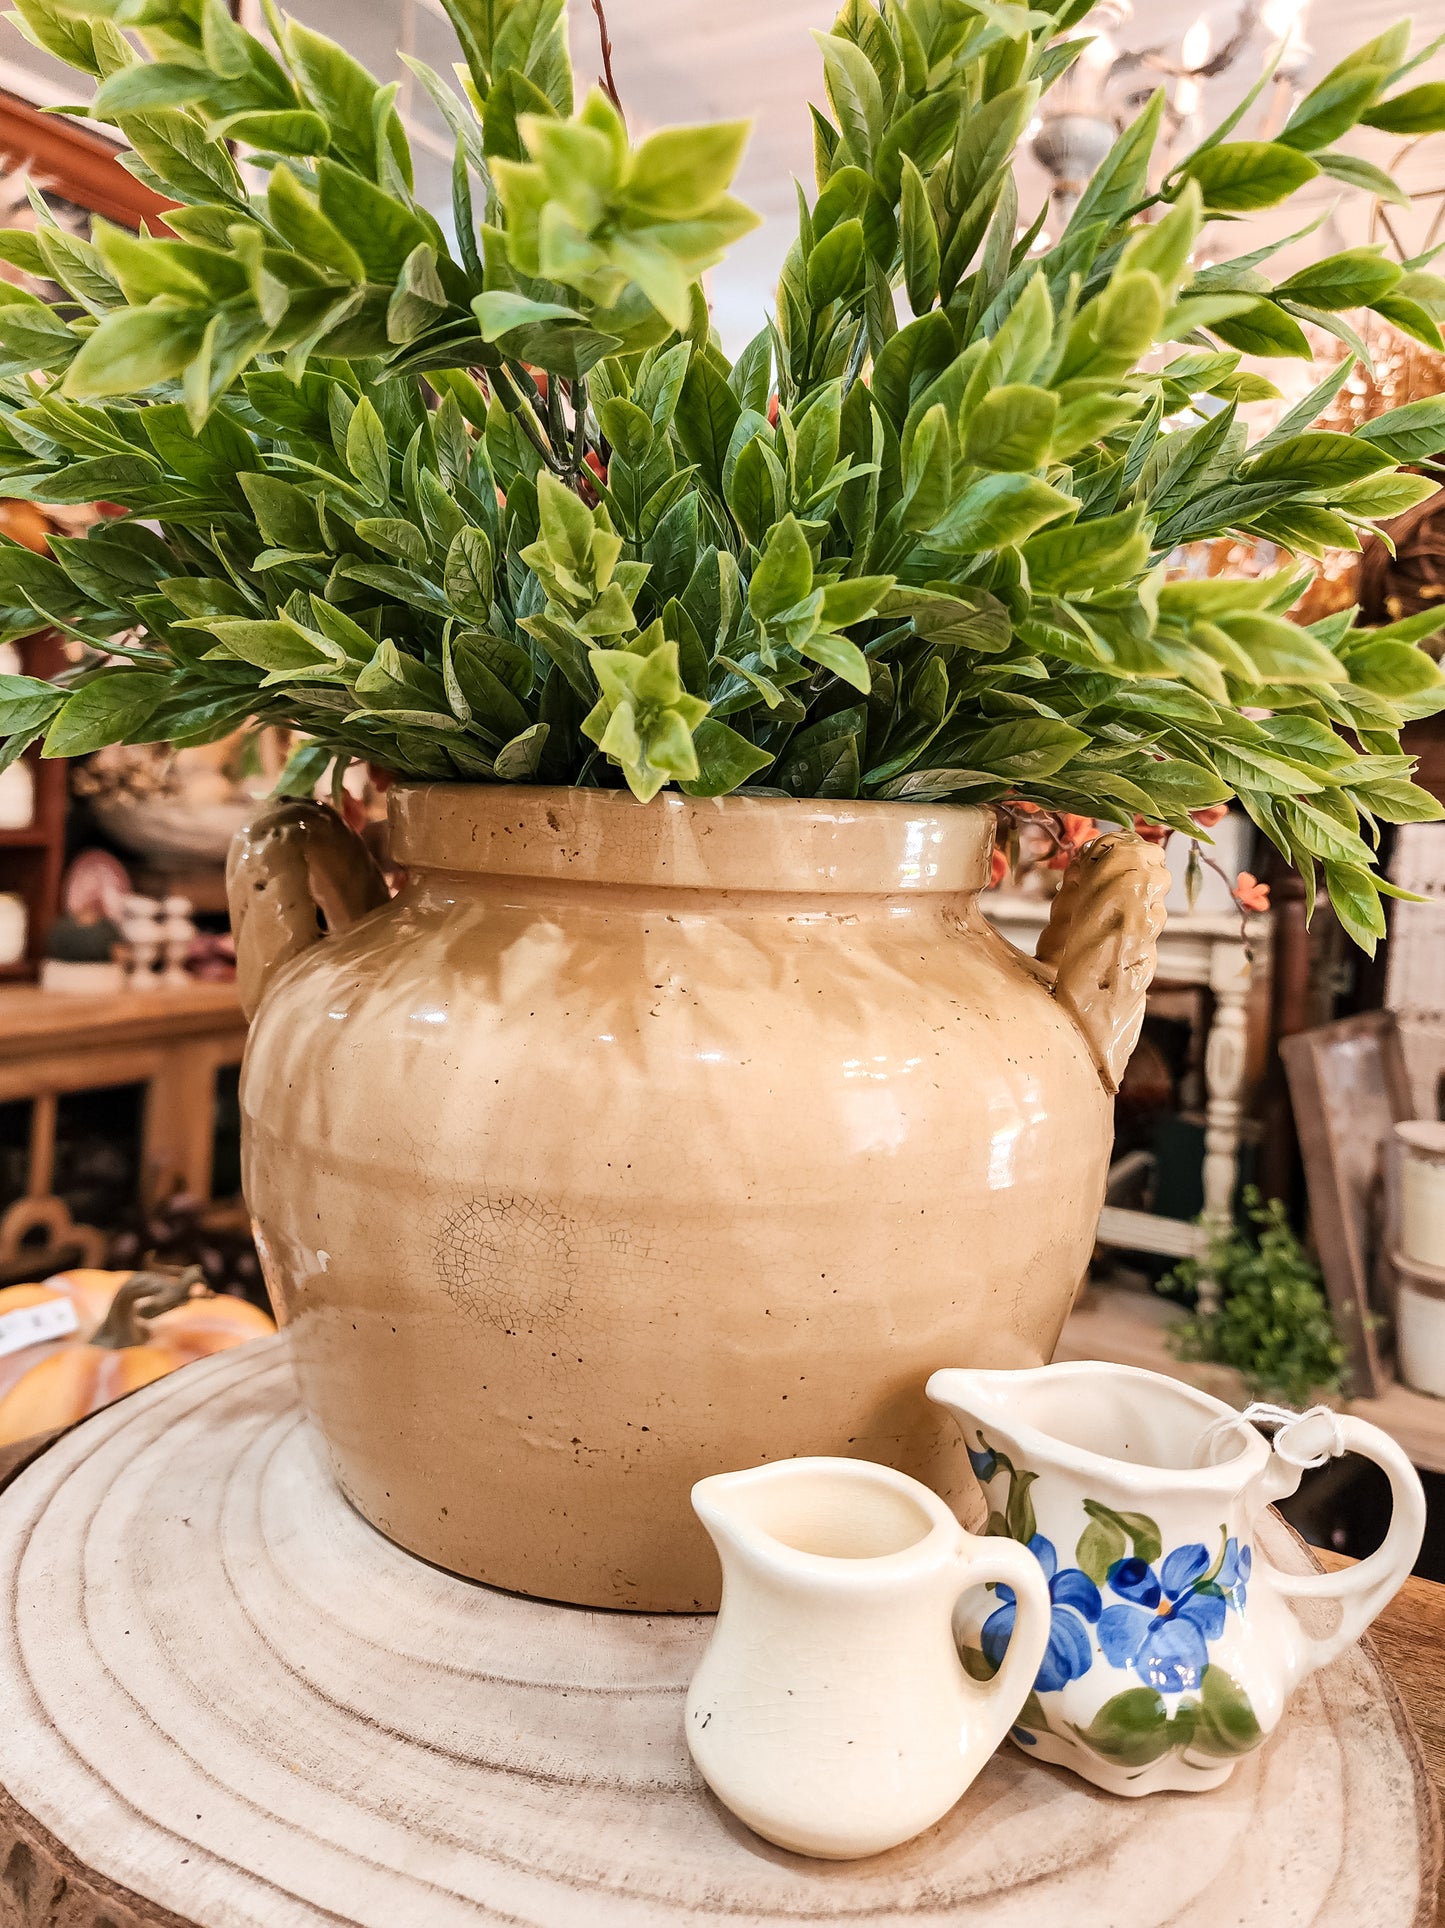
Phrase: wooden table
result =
(172, 1041)
(380, 1784)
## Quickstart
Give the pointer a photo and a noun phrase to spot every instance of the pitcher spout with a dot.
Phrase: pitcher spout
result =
(806, 1520)
(1124, 1427)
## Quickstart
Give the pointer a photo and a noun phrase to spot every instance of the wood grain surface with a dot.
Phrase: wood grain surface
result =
(221, 1690)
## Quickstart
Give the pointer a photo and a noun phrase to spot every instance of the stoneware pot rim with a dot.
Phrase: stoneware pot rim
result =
(736, 843)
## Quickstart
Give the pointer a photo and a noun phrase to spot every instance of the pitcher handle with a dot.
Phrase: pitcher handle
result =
(291, 860)
(999, 1560)
(1101, 936)
(1364, 1590)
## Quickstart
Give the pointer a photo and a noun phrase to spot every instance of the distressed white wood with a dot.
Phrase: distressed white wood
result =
(224, 1692)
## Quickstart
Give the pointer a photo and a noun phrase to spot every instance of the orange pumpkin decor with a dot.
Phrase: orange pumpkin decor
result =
(89, 1291)
(151, 1324)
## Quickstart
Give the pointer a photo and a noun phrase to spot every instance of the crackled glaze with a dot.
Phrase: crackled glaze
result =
(631, 1143)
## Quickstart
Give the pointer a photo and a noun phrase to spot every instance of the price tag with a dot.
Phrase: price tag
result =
(32, 1325)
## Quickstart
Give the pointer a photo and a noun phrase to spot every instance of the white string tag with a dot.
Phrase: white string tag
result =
(1306, 1440)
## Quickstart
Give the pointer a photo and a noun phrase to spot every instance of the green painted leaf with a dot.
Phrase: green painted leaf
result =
(1022, 1525)
(1100, 1544)
(1225, 1725)
(1131, 1730)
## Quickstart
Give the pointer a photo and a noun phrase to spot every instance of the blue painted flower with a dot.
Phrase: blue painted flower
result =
(1233, 1575)
(1075, 1598)
(1165, 1621)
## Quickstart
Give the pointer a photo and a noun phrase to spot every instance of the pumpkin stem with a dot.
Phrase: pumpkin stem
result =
(143, 1295)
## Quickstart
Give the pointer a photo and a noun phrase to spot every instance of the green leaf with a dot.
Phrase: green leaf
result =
(468, 575)
(784, 576)
(1022, 1524)
(1238, 177)
(1413, 432)
(517, 761)
(285, 516)
(998, 512)
(134, 349)
(367, 454)
(845, 659)
(377, 226)
(928, 489)
(289, 131)
(1011, 428)
(724, 759)
(298, 217)
(1087, 554)
(1419, 110)
(707, 414)
(1411, 319)
(1362, 174)
(27, 703)
(682, 171)
(1264, 329)
(920, 241)
(854, 94)
(835, 266)
(1354, 279)
(1355, 898)
(114, 708)
(1333, 107)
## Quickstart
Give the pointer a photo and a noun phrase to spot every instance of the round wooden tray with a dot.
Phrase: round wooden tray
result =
(225, 1699)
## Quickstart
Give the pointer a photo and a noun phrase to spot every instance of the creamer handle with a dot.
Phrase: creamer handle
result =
(1100, 941)
(290, 860)
(1363, 1590)
(999, 1560)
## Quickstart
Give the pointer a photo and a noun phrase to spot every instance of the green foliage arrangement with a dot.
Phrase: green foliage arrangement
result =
(494, 506)
(1273, 1324)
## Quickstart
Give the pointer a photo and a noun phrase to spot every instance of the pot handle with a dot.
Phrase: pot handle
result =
(1100, 941)
(996, 1559)
(288, 862)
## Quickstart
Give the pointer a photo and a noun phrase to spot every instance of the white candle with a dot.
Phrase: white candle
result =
(1422, 1192)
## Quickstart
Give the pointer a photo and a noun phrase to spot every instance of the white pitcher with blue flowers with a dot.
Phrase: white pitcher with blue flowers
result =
(1173, 1646)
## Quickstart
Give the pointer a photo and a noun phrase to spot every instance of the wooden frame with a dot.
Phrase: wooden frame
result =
(1349, 1088)
(76, 162)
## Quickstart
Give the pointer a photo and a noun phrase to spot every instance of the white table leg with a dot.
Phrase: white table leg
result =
(1224, 1062)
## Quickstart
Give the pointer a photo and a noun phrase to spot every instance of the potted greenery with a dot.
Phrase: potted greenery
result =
(683, 1111)
(1273, 1323)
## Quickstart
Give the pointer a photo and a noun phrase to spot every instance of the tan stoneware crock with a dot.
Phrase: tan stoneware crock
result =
(634, 1143)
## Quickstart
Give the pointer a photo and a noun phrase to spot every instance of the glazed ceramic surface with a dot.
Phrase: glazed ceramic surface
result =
(831, 1711)
(1173, 1646)
(631, 1143)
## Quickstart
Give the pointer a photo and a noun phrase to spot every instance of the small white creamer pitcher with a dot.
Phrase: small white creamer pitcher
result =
(1173, 1647)
(831, 1712)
